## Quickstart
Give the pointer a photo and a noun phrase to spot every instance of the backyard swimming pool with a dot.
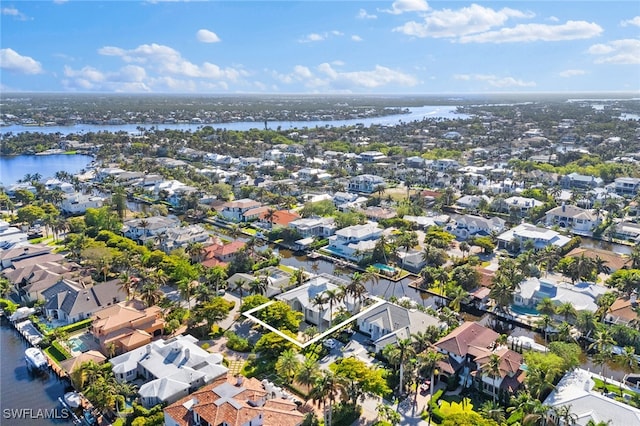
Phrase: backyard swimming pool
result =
(76, 344)
(384, 268)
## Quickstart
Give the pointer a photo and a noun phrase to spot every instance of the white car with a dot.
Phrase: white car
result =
(330, 343)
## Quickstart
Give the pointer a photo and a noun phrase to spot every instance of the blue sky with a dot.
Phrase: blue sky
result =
(379, 47)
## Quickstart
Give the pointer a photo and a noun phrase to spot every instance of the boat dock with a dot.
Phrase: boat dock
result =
(29, 332)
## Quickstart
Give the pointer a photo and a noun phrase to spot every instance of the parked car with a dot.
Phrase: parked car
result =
(330, 343)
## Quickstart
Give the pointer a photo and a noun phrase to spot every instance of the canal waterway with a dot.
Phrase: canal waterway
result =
(20, 389)
(415, 113)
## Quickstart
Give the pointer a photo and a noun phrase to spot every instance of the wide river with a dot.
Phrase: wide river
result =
(15, 168)
(415, 114)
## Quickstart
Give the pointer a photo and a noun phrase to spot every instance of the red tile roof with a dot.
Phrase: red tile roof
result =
(470, 338)
(281, 217)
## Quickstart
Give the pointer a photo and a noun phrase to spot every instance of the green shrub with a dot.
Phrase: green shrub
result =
(57, 352)
(8, 306)
(76, 326)
(237, 343)
(345, 414)
(434, 408)
(205, 346)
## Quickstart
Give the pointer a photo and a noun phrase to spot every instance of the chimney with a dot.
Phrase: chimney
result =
(239, 380)
(564, 207)
(187, 353)
(149, 349)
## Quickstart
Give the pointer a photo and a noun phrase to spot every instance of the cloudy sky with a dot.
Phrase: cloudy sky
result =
(378, 47)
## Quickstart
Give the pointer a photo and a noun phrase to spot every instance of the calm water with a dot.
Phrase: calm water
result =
(419, 113)
(20, 389)
(13, 169)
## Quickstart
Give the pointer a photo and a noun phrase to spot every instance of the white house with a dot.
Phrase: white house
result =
(181, 237)
(149, 227)
(234, 210)
(576, 390)
(444, 164)
(575, 219)
(10, 235)
(354, 241)
(171, 368)
(468, 226)
(583, 295)
(372, 156)
(523, 204)
(322, 227)
(79, 203)
(388, 323)
(540, 237)
(366, 183)
(627, 186)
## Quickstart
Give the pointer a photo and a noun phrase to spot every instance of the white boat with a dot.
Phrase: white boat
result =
(73, 399)
(35, 359)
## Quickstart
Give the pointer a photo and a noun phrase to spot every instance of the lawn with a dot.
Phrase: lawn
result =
(249, 231)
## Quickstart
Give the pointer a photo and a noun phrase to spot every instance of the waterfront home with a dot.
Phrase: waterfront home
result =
(574, 219)
(444, 164)
(627, 186)
(57, 184)
(72, 364)
(511, 372)
(521, 204)
(524, 233)
(424, 222)
(613, 260)
(171, 369)
(277, 280)
(468, 226)
(30, 278)
(624, 310)
(583, 296)
(308, 174)
(462, 346)
(234, 211)
(388, 323)
(69, 301)
(629, 231)
(307, 299)
(353, 242)
(126, 326)
(576, 390)
(279, 218)
(181, 237)
(411, 260)
(10, 235)
(148, 228)
(235, 400)
(471, 202)
(322, 227)
(108, 173)
(377, 213)
(366, 183)
(78, 203)
(578, 181)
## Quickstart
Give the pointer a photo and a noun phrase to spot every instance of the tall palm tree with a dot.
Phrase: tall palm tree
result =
(239, 285)
(546, 307)
(128, 284)
(586, 322)
(307, 374)
(326, 389)
(602, 344)
(545, 322)
(334, 296)
(429, 361)
(288, 364)
(492, 368)
(628, 358)
(458, 295)
(398, 354)
(567, 311)
(151, 294)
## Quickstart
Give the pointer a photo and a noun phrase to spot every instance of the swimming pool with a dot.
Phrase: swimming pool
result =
(383, 267)
(523, 310)
(76, 344)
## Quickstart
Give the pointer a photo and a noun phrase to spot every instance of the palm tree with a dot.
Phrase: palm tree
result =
(327, 388)
(307, 374)
(546, 307)
(334, 296)
(239, 285)
(564, 414)
(492, 368)
(586, 322)
(492, 410)
(567, 310)
(356, 288)
(602, 344)
(548, 257)
(186, 287)
(545, 322)
(398, 354)
(628, 358)
(128, 284)
(270, 216)
(195, 250)
(458, 295)
(151, 294)
(429, 361)
(288, 365)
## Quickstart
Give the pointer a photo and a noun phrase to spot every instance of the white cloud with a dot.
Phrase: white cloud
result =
(635, 21)
(11, 60)
(401, 6)
(455, 23)
(571, 73)
(362, 14)
(12, 11)
(571, 30)
(495, 81)
(327, 76)
(207, 36)
(356, 37)
(315, 37)
(130, 78)
(164, 59)
(625, 51)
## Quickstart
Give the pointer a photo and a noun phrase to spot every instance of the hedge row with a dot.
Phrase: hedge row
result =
(57, 352)
(8, 306)
(434, 408)
(76, 326)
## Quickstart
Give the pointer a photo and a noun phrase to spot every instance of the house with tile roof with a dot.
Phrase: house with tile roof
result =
(70, 301)
(388, 323)
(510, 375)
(233, 401)
(623, 310)
(573, 218)
(126, 326)
(20, 252)
(172, 369)
(221, 254)
(234, 211)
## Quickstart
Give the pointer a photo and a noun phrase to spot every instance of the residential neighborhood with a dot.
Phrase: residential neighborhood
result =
(477, 267)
